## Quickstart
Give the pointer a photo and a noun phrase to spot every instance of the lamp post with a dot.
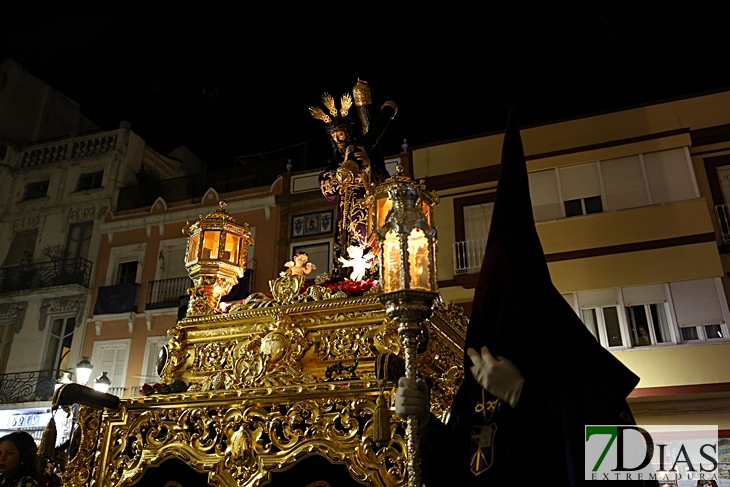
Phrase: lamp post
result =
(216, 256)
(102, 383)
(65, 379)
(83, 371)
(406, 242)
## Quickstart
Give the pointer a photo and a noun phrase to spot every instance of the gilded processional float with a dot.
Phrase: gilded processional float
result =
(295, 386)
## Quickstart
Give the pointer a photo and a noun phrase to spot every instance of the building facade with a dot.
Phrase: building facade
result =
(53, 197)
(630, 209)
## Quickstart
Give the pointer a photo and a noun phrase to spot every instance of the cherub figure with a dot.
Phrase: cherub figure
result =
(299, 265)
(357, 262)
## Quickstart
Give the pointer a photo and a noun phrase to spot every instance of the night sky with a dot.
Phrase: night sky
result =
(231, 80)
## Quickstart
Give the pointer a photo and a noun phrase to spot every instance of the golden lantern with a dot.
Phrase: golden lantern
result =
(216, 257)
(406, 241)
(381, 203)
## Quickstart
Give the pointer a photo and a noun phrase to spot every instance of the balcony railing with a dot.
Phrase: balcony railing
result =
(45, 274)
(37, 385)
(166, 292)
(71, 148)
(723, 219)
(468, 256)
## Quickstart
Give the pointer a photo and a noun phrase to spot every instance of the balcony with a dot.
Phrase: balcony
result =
(45, 274)
(30, 386)
(723, 220)
(121, 298)
(166, 293)
(468, 256)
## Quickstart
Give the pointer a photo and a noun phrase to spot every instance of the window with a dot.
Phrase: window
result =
(21, 247)
(35, 190)
(669, 177)
(624, 183)
(59, 344)
(149, 367)
(581, 189)
(655, 314)
(111, 356)
(614, 184)
(600, 313)
(546, 202)
(90, 180)
(127, 273)
(698, 309)
(472, 219)
(7, 332)
(79, 240)
(647, 315)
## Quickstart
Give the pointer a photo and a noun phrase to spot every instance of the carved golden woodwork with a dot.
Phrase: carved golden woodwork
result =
(260, 398)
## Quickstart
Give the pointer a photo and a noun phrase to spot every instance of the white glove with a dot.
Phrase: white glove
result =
(500, 377)
(412, 399)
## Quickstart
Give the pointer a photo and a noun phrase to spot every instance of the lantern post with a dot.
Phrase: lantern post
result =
(406, 242)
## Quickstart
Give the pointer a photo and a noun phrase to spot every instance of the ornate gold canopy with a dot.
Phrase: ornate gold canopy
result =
(273, 380)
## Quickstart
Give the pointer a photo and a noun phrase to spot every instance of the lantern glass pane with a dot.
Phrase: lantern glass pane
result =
(233, 245)
(426, 208)
(391, 263)
(418, 261)
(211, 241)
(383, 206)
(193, 247)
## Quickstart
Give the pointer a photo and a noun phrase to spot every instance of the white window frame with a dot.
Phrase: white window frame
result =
(601, 324)
(153, 342)
(701, 332)
(165, 246)
(122, 254)
(49, 327)
(96, 360)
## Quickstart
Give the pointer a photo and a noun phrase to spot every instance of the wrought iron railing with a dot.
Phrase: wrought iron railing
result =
(166, 293)
(468, 256)
(723, 219)
(37, 385)
(45, 274)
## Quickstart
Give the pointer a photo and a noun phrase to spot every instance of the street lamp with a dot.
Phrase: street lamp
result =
(406, 242)
(102, 383)
(65, 379)
(83, 371)
(216, 257)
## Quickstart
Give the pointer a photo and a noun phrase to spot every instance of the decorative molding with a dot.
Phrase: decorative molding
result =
(100, 319)
(14, 312)
(124, 222)
(211, 197)
(62, 305)
(82, 214)
(27, 223)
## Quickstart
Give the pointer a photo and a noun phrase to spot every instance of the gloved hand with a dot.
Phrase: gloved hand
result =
(500, 377)
(412, 398)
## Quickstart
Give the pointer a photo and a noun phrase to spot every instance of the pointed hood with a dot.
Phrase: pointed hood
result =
(517, 312)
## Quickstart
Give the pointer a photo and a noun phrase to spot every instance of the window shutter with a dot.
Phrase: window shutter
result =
(651, 294)
(669, 177)
(623, 181)
(477, 219)
(579, 181)
(696, 303)
(546, 204)
(598, 299)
